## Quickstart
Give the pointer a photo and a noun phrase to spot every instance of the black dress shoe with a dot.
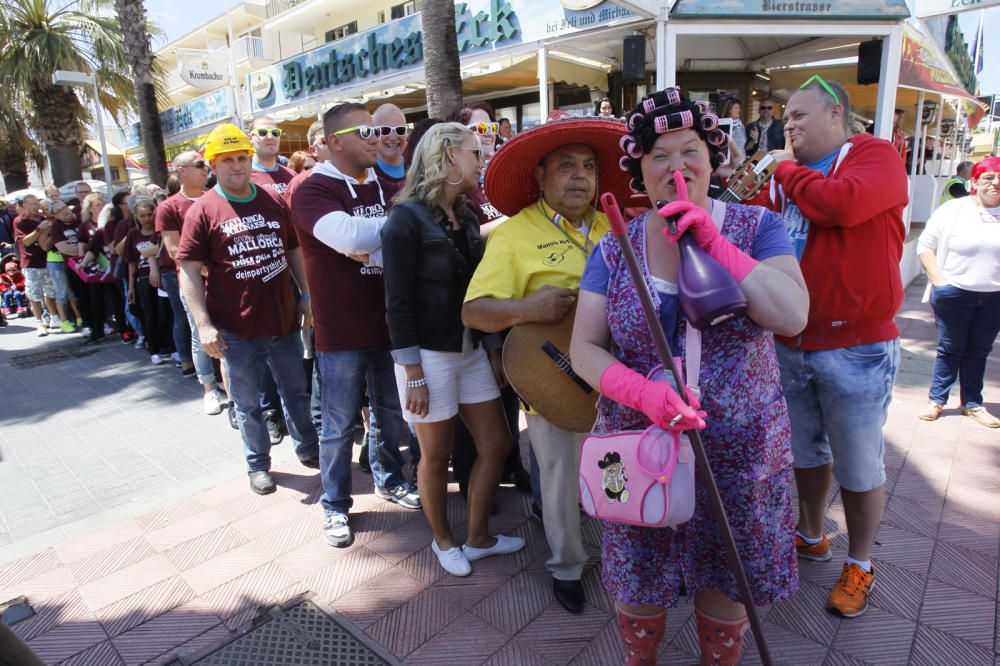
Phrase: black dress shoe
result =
(519, 477)
(310, 462)
(272, 421)
(569, 594)
(363, 462)
(262, 483)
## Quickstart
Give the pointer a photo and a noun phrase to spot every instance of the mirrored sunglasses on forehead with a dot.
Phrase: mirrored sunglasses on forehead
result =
(364, 131)
(484, 128)
(400, 130)
(263, 132)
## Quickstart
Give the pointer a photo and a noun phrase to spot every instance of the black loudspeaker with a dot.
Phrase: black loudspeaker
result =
(869, 61)
(634, 58)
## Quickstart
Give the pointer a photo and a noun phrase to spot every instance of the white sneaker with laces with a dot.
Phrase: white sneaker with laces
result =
(175, 357)
(156, 359)
(337, 530)
(452, 560)
(212, 403)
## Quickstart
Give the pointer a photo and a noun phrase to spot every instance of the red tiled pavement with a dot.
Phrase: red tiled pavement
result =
(182, 577)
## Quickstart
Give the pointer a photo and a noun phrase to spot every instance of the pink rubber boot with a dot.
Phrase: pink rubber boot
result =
(721, 640)
(641, 635)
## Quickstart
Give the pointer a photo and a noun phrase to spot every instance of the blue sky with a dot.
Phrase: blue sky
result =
(177, 17)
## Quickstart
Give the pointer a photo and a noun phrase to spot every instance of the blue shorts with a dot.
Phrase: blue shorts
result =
(837, 402)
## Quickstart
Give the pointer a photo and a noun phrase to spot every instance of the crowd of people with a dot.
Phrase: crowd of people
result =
(377, 278)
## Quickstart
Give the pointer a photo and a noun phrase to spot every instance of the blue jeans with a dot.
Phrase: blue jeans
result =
(133, 321)
(181, 331)
(967, 324)
(246, 363)
(57, 271)
(838, 400)
(343, 374)
(202, 361)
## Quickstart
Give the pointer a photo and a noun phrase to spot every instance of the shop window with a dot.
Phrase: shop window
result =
(341, 32)
(510, 113)
(530, 115)
(403, 9)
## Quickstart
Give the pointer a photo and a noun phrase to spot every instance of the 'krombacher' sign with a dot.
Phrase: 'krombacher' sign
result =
(378, 53)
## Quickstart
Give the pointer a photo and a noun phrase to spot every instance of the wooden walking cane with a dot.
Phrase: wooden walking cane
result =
(620, 231)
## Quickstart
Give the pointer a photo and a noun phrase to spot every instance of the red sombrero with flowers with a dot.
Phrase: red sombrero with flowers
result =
(510, 177)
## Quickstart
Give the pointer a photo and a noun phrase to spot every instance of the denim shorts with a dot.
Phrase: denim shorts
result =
(57, 273)
(837, 402)
(37, 284)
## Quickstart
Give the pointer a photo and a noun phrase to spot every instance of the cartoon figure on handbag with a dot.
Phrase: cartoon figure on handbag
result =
(614, 477)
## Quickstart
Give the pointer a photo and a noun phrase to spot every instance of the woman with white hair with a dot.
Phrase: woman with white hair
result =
(430, 248)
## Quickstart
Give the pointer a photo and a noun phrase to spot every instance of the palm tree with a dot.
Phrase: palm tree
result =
(441, 65)
(38, 37)
(16, 144)
(140, 58)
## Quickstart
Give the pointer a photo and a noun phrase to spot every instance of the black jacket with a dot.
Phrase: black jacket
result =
(775, 136)
(426, 278)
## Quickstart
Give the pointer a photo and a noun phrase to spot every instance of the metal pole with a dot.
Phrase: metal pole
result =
(917, 127)
(104, 143)
(543, 85)
(234, 85)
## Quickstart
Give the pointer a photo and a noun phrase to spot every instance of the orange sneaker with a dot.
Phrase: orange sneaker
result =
(819, 552)
(849, 597)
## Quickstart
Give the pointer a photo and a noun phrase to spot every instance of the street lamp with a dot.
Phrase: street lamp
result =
(63, 77)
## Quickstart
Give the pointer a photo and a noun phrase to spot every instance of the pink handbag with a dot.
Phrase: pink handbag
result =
(642, 477)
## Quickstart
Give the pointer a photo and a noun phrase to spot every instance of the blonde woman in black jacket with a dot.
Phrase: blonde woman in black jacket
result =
(430, 249)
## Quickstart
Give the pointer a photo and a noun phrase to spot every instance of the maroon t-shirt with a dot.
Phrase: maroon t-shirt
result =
(72, 232)
(244, 246)
(277, 181)
(348, 298)
(484, 210)
(169, 216)
(32, 256)
(136, 243)
(294, 184)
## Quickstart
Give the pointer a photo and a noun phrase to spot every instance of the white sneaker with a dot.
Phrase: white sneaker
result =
(452, 560)
(175, 357)
(505, 545)
(156, 359)
(212, 403)
(42, 330)
(140, 342)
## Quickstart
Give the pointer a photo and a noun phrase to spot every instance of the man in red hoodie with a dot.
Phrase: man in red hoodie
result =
(842, 199)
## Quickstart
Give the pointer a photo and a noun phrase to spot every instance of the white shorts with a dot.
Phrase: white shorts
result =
(453, 379)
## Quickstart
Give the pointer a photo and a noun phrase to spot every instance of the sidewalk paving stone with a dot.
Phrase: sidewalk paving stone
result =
(127, 521)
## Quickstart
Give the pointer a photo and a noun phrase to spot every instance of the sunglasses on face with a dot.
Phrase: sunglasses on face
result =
(484, 128)
(400, 130)
(263, 132)
(364, 131)
(766, 108)
(823, 84)
(475, 151)
(197, 164)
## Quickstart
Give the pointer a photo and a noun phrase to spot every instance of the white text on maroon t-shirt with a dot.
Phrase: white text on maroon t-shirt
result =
(255, 255)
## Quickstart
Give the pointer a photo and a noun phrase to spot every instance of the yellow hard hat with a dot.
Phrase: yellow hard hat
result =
(226, 138)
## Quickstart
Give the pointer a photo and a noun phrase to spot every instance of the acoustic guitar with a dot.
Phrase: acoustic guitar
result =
(536, 356)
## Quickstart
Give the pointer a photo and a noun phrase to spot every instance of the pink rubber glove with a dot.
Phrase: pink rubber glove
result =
(657, 400)
(696, 221)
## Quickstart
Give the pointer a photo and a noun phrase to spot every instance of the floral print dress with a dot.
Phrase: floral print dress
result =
(747, 439)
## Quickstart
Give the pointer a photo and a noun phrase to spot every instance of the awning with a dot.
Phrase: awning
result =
(926, 67)
(113, 150)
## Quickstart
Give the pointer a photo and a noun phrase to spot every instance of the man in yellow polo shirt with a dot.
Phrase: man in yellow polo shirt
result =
(547, 180)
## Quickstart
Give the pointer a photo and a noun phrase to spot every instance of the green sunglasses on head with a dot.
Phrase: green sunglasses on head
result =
(823, 84)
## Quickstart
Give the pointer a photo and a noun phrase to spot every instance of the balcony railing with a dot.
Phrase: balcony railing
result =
(275, 7)
(246, 48)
